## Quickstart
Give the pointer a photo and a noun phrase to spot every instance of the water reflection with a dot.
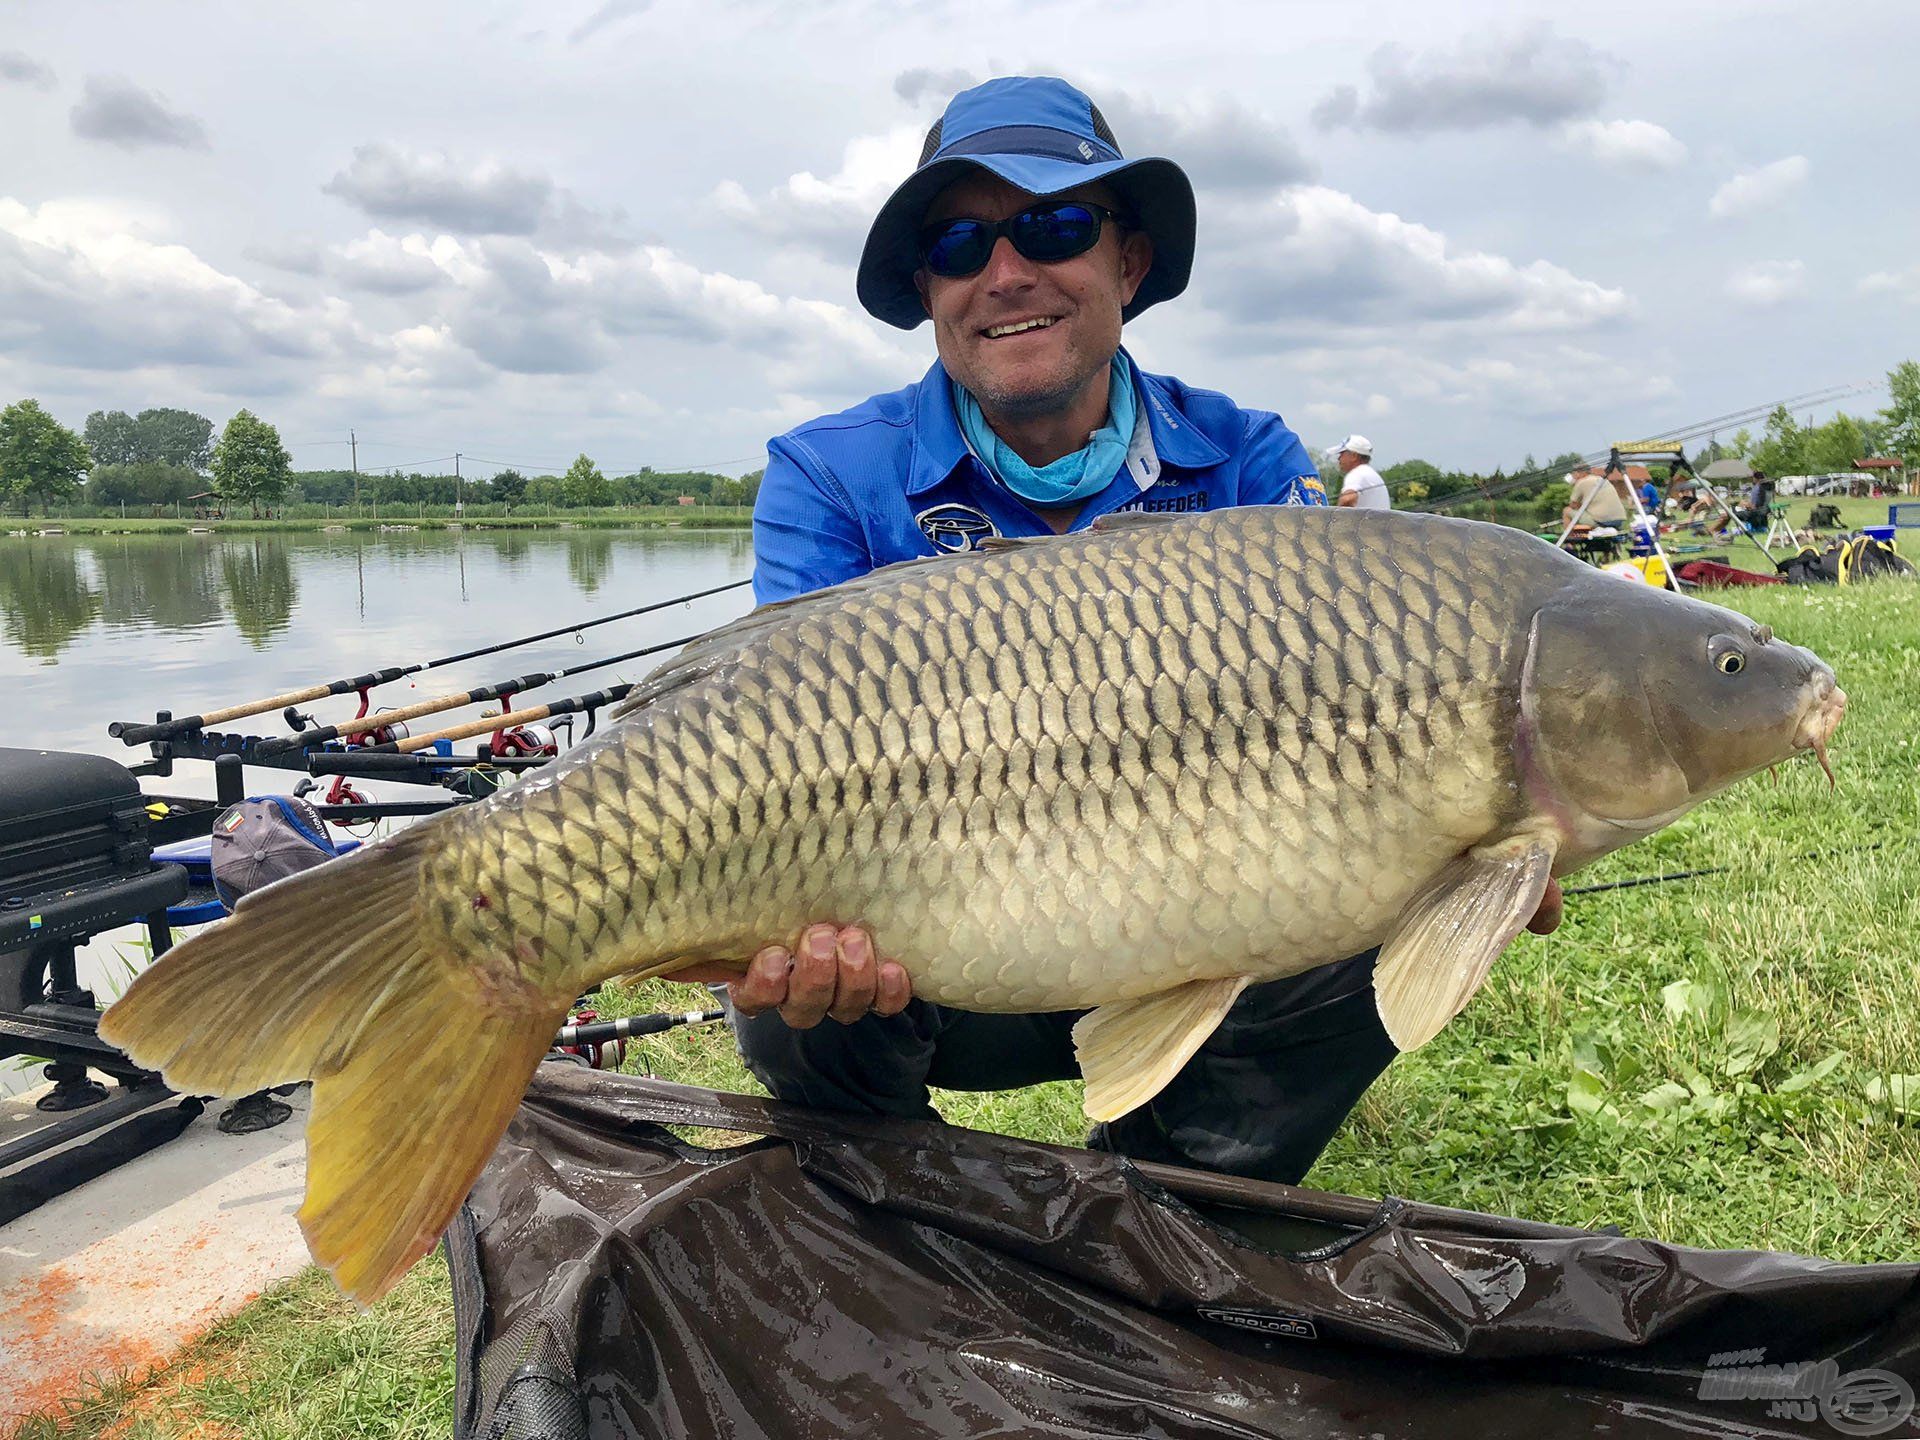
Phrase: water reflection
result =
(45, 599)
(99, 628)
(173, 586)
(258, 574)
(589, 555)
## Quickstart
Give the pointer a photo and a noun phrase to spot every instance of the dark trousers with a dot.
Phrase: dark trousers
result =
(1261, 1098)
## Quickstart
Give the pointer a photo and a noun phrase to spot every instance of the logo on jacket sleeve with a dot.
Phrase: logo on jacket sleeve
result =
(954, 528)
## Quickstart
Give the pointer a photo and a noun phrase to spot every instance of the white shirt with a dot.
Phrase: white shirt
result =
(1363, 482)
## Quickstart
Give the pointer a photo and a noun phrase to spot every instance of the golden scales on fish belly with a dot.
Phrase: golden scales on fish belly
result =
(1111, 770)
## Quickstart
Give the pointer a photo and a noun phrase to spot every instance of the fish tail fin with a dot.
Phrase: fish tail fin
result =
(418, 1057)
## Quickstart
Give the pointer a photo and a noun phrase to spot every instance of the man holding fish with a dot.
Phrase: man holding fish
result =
(1268, 784)
(1027, 238)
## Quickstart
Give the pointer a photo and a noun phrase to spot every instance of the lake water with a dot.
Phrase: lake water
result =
(96, 629)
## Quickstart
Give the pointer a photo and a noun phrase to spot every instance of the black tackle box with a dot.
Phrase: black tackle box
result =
(74, 847)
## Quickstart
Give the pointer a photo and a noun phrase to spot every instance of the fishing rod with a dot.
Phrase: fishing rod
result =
(494, 690)
(489, 724)
(601, 1032)
(136, 734)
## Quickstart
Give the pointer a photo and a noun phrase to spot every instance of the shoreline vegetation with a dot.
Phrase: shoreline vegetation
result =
(402, 517)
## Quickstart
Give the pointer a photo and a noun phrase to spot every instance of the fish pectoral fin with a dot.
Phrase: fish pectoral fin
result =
(1449, 934)
(1130, 1049)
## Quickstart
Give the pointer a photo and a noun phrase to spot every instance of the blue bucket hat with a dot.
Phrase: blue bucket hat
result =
(1045, 137)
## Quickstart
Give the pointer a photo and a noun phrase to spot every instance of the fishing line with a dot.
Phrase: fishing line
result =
(1672, 875)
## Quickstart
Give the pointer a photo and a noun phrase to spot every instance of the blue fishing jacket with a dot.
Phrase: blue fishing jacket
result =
(893, 478)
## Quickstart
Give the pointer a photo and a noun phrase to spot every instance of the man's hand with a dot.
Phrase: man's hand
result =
(833, 972)
(1546, 919)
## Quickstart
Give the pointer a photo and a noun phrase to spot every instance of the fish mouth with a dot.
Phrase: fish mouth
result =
(1819, 723)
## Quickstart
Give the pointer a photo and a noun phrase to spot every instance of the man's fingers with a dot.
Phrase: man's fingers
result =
(765, 983)
(854, 993)
(892, 989)
(816, 973)
(1546, 919)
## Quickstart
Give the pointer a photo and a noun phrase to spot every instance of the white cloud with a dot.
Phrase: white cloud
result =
(1312, 259)
(1220, 143)
(117, 111)
(1766, 283)
(82, 284)
(1901, 284)
(1625, 144)
(23, 69)
(401, 264)
(831, 213)
(1752, 191)
(1531, 76)
(480, 198)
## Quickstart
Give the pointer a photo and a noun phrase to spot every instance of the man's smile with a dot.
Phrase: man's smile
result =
(1019, 327)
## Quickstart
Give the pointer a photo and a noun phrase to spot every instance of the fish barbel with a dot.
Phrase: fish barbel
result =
(1132, 770)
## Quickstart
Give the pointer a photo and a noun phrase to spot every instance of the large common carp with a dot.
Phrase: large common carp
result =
(1134, 769)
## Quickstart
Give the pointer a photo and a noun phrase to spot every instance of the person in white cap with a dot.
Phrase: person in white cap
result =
(1360, 483)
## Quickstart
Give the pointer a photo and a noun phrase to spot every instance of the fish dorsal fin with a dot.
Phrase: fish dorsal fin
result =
(1129, 1049)
(1135, 520)
(716, 649)
(1447, 938)
(994, 543)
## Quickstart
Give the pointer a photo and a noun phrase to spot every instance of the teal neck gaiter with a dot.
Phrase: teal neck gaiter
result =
(1079, 476)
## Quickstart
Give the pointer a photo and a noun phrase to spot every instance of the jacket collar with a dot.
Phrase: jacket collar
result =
(939, 448)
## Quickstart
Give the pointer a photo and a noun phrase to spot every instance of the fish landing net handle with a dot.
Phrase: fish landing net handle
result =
(136, 734)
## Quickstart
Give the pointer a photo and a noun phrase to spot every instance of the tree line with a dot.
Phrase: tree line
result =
(168, 457)
(163, 457)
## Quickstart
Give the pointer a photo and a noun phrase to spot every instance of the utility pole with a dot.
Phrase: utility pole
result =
(354, 441)
(459, 500)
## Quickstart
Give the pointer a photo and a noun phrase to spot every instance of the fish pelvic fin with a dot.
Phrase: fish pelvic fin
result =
(418, 1057)
(1448, 937)
(1128, 1050)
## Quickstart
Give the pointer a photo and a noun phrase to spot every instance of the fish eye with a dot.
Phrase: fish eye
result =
(1726, 655)
(1731, 662)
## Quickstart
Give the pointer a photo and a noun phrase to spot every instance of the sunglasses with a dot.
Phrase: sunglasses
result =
(1046, 233)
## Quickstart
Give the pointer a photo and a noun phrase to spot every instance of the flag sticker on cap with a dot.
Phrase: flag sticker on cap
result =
(234, 820)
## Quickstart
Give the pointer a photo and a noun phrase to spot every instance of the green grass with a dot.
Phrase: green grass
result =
(1713, 1062)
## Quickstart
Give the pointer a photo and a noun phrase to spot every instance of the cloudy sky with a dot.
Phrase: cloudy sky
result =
(629, 226)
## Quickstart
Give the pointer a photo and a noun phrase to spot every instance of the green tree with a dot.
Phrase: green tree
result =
(250, 463)
(509, 488)
(584, 485)
(1834, 445)
(39, 457)
(1782, 449)
(175, 437)
(1901, 418)
(113, 437)
(1563, 464)
(144, 482)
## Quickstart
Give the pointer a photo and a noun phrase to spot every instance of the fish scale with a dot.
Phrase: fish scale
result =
(1318, 716)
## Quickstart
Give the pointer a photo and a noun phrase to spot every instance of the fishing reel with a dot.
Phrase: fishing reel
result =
(524, 741)
(594, 1054)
